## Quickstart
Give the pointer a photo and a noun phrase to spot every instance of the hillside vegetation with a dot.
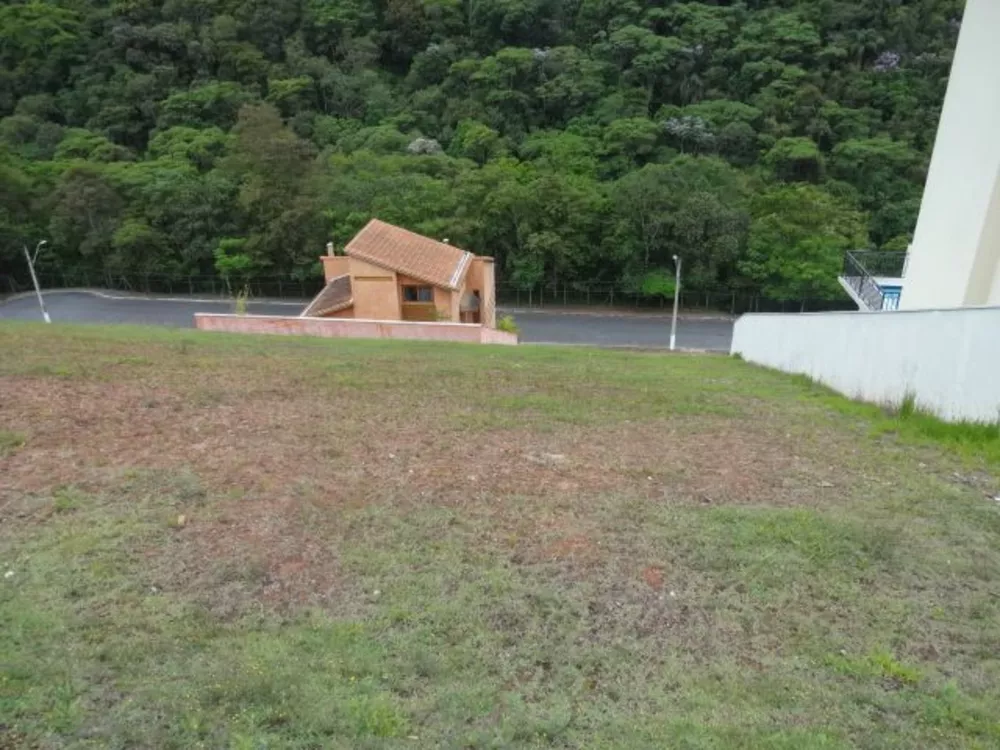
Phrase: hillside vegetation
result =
(578, 141)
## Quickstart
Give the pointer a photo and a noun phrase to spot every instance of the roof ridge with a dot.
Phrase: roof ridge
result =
(410, 253)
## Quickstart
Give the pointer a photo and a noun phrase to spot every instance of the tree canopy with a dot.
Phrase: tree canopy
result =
(577, 141)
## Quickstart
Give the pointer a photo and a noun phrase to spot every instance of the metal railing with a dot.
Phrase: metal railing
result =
(880, 263)
(860, 270)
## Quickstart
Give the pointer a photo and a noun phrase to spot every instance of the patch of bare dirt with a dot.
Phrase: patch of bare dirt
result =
(257, 442)
(244, 554)
(653, 576)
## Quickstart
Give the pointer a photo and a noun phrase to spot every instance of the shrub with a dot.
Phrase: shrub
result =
(507, 324)
(242, 297)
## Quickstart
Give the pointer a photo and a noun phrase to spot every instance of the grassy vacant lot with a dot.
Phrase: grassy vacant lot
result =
(212, 541)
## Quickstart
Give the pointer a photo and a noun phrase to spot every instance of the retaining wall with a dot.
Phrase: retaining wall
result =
(949, 360)
(352, 328)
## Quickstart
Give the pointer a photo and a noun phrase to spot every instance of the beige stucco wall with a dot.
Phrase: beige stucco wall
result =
(489, 292)
(956, 246)
(480, 276)
(345, 313)
(474, 276)
(375, 292)
(446, 302)
(335, 265)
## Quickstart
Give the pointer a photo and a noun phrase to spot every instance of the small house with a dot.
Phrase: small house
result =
(390, 273)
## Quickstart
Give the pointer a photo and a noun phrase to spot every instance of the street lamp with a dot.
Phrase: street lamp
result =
(677, 296)
(31, 267)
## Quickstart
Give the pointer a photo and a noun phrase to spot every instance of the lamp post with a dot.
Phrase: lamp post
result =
(677, 297)
(31, 267)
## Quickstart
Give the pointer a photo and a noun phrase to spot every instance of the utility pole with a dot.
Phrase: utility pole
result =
(31, 267)
(677, 297)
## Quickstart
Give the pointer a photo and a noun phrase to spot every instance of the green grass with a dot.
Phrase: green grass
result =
(975, 440)
(413, 545)
(10, 442)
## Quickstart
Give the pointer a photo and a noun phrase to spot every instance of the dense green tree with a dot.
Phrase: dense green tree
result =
(796, 160)
(85, 211)
(578, 141)
(18, 221)
(38, 43)
(692, 207)
(277, 190)
(797, 240)
(476, 141)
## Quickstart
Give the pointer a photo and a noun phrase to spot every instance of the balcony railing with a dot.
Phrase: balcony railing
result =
(880, 263)
(861, 268)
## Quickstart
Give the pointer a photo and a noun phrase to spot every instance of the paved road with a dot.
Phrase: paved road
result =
(595, 329)
(609, 329)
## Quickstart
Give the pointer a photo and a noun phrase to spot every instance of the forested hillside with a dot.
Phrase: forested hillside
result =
(577, 141)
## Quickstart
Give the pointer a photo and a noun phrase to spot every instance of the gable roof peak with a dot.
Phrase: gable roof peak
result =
(411, 254)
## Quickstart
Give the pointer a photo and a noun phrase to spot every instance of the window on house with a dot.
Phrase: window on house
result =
(418, 294)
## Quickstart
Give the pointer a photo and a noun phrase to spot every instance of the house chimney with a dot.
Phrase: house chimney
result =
(329, 248)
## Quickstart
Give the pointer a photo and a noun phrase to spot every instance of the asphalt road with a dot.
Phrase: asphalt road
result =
(610, 329)
(584, 328)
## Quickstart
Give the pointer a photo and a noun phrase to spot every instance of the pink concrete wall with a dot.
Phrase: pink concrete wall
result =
(352, 329)
(493, 336)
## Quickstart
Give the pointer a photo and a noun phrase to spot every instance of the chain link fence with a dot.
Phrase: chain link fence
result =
(726, 301)
(608, 296)
(265, 287)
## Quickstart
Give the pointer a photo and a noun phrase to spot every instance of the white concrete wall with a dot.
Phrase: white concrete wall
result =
(956, 245)
(948, 359)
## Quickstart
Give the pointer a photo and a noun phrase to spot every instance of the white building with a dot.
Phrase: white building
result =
(954, 260)
(956, 246)
(942, 347)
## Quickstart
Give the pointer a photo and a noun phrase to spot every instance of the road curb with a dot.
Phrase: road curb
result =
(615, 314)
(628, 347)
(146, 297)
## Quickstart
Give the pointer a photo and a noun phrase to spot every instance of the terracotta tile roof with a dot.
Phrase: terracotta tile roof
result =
(410, 254)
(335, 296)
